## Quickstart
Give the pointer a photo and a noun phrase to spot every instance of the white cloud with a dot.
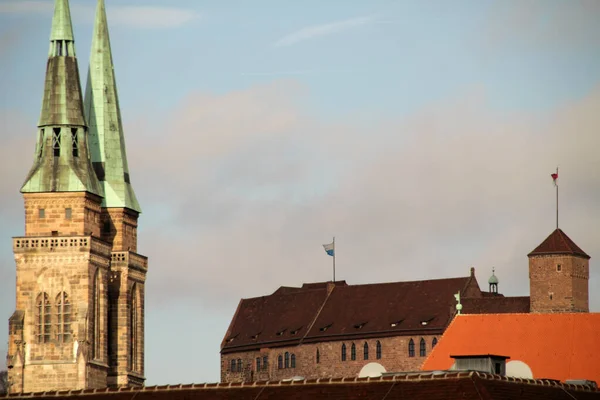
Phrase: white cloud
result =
(144, 17)
(322, 30)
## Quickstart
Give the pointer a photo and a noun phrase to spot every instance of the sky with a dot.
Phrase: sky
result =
(421, 134)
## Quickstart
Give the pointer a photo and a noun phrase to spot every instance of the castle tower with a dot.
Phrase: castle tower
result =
(62, 265)
(558, 276)
(120, 211)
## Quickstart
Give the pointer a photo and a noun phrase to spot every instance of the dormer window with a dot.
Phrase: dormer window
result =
(281, 332)
(323, 329)
(230, 339)
(359, 326)
(254, 337)
(396, 323)
(295, 331)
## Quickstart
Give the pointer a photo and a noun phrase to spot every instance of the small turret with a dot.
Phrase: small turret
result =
(493, 282)
(62, 162)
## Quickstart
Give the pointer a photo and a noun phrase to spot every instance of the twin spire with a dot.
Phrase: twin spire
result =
(81, 146)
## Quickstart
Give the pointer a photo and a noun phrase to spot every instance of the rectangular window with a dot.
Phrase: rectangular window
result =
(42, 213)
(68, 213)
(559, 267)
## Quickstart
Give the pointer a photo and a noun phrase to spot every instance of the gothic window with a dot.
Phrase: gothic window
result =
(344, 352)
(433, 342)
(258, 363)
(318, 356)
(239, 365)
(56, 142)
(411, 348)
(280, 362)
(378, 350)
(232, 367)
(63, 318)
(287, 359)
(97, 320)
(265, 363)
(366, 351)
(353, 352)
(133, 328)
(422, 348)
(293, 361)
(42, 318)
(75, 142)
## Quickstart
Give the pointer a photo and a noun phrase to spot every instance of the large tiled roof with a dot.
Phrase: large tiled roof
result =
(556, 346)
(320, 311)
(558, 243)
(423, 386)
(495, 305)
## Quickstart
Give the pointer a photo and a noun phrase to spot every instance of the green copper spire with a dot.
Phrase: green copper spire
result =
(62, 162)
(107, 142)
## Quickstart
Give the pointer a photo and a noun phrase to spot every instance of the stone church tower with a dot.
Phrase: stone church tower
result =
(79, 318)
(559, 273)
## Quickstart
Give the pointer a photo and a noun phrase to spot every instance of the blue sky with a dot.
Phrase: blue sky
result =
(421, 134)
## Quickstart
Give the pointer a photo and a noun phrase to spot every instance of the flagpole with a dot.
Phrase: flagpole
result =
(334, 259)
(556, 184)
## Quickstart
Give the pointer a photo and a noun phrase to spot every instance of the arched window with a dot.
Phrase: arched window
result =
(42, 318)
(239, 365)
(344, 352)
(366, 351)
(433, 342)
(258, 363)
(133, 328)
(378, 350)
(232, 368)
(318, 356)
(411, 348)
(293, 365)
(97, 319)
(280, 362)
(63, 318)
(265, 363)
(353, 352)
(287, 359)
(422, 348)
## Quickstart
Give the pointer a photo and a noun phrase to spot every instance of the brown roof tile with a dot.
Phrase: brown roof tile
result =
(450, 385)
(558, 243)
(382, 309)
(495, 305)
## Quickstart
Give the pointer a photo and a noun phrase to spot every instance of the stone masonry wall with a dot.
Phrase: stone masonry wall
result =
(558, 283)
(394, 357)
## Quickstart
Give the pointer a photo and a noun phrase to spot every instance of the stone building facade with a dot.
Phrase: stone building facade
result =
(79, 318)
(310, 331)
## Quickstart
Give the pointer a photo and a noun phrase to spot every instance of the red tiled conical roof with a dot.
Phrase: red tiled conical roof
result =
(558, 243)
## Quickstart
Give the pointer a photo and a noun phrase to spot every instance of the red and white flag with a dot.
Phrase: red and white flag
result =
(555, 177)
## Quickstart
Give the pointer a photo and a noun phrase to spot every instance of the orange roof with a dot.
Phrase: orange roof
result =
(554, 346)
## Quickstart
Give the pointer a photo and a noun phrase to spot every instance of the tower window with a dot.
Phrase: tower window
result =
(318, 356)
(422, 348)
(68, 213)
(75, 142)
(550, 295)
(239, 365)
(378, 350)
(133, 329)
(366, 351)
(265, 363)
(344, 352)
(97, 320)
(433, 342)
(353, 352)
(42, 318)
(40, 143)
(42, 213)
(559, 267)
(63, 321)
(232, 367)
(293, 361)
(56, 142)
(411, 348)
(280, 362)
(258, 363)
(287, 359)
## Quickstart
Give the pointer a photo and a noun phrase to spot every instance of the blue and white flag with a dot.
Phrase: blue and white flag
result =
(329, 248)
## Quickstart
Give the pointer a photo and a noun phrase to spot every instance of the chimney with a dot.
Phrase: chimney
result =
(488, 363)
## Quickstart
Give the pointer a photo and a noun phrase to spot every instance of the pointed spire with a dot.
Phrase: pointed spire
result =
(61, 23)
(62, 161)
(107, 140)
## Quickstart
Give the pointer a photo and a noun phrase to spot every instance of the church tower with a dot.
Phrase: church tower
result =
(79, 315)
(558, 276)
(120, 211)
